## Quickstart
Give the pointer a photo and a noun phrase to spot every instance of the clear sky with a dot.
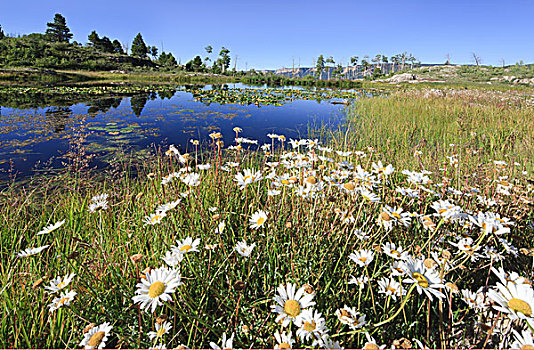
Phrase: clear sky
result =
(274, 33)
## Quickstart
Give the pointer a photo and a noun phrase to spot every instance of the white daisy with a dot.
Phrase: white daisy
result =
(155, 218)
(96, 337)
(290, 304)
(389, 286)
(59, 283)
(312, 325)
(244, 249)
(31, 251)
(51, 228)
(525, 340)
(63, 300)
(173, 258)
(248, 177)
(186, 246)
(516, 300)
(161, 329)
(363, 257)
(283, 340)
(395, 252)
(258, 219)
(426, 280)
(352, 318)
(225, 343)
(156, 287)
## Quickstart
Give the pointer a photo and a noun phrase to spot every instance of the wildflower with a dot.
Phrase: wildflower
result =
(98, 202)
(328, 343)
(362, 257)
(173, 257)
(59, 283)
(525, 340)
(96, 337)
(155, 218)
(161, 329)
(352, 318)
(273, 192)
(508, 277)
(311, 325)
(247, 177)
(63, 300)
(156, 287)
(225, 343)
(290, 304)
(516, 300)
(258, 219)
(191, 179)
(447, 210)
(31, 251)
(395, 252)
(389, 286)
(51, 228)
(283, 340)
(381, 170)
(187, 245)
(244, 249)
(425, 279)
(220, 228)
(371, 343)
(370, 196)
(203, 166)
(359, 281)
(168, 206)
(470, 298)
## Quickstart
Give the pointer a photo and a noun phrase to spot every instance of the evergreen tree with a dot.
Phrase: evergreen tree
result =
(94, 39)
(139, 48)
(167, 60)
(58, 31)
(117, 47)
(2, 35)
(154, 52)
(224, 59)
(319, 66)
(195, 65)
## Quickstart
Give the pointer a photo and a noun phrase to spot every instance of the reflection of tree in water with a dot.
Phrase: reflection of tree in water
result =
(138, 102)
(166, 94)
(58, 116)
(103, 105)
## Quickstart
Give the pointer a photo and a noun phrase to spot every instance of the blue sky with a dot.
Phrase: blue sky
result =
(271, 34)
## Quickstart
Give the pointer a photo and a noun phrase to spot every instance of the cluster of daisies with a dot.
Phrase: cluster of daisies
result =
(391, 271)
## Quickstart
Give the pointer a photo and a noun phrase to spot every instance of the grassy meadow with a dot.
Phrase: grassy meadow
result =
(411, 226)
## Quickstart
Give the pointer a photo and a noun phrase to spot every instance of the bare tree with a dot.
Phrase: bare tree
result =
(502, 62)
(476, 59)
(448, 57)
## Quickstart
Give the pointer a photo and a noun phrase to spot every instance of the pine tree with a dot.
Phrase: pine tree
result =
(117, 46)
(139, 48)
(2, 35)
(58, 31)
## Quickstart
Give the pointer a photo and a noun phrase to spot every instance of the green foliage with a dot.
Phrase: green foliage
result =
(167, 60)
(195, 65)
(58, 31)
(2, 35)
(139, 48)
(319, 66)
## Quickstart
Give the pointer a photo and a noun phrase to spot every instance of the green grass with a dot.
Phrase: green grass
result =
(304, 240)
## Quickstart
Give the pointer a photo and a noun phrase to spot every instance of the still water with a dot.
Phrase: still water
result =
(36, 138)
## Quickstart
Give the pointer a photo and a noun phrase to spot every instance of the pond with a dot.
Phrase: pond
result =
(36, 136)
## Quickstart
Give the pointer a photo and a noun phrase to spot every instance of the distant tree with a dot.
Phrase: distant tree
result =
(139, 48)
(195, 65)
(354, 62)
(224, 59)
(338, 70)
(476, 59)
(2, 35)
(117, 47)
(58, 31)
(94, 39)
(329, 61)
(208, 50)
(365, 64)
(154, 52)
(319, 66)
(377, 73)
(377, 59)
(167, 60)
(502, 62)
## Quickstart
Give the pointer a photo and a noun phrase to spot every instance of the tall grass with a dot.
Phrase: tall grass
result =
(305, 240)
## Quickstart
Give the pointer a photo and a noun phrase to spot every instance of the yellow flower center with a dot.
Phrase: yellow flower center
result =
(397, 215)
(284, 346)
(421, 280)
(185, 248)
(156, 218)
(519, 305)
(527, 347)
(395, 252)
(260, 221)
(504, 183)
(61, 284)
(156, 289)
(391, 290)
(284, 182)
(96, 339)
(62, 301)
(371, 346)
(309, 327)
(363, 259)
(385, 217)
(292, 308)
(349, 186)
(160, 332)
(311, 180)
(248, 177)
(441, 211)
